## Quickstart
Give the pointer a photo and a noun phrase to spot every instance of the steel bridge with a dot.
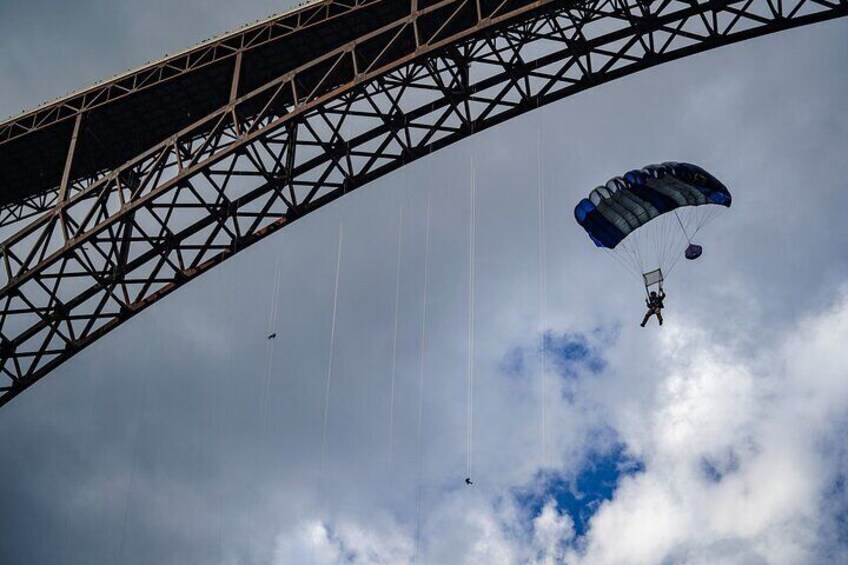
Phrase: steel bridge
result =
(119, 194)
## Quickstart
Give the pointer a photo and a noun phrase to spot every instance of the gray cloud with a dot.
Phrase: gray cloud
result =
(168, 442)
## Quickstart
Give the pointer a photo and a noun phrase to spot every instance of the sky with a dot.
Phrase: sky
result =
(185, 436)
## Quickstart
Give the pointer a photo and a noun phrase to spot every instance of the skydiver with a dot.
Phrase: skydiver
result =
(272, 336)
(468, 481)
(655, 306)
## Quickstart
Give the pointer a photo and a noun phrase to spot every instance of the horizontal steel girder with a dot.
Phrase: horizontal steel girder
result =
(132, 236)
(204, 55)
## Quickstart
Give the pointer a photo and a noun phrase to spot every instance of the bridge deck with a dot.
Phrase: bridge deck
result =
(135, 110)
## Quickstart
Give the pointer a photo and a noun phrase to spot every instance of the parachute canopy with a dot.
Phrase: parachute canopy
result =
(614, 211)
(648, 218)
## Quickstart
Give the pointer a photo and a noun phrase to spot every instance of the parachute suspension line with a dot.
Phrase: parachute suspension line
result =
(331, 349)
(682, 228)
(675, 245)
(423, 348)
(656, 241)
(668, 243)
(394, 341)
(674, 242)
(543, 298)
(472, 248)
(636, 249)
(659, 249)
(630, 248)
(674, 236)
(713, 213)
(666, 240)
(142, 412)
(627, 267)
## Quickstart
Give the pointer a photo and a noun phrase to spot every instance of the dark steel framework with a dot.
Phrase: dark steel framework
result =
(112, 240)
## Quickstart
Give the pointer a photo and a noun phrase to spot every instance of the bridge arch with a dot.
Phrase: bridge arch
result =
(111, 239)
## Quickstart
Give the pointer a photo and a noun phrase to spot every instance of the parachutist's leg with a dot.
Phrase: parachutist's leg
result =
(659, 316)
(646, 318)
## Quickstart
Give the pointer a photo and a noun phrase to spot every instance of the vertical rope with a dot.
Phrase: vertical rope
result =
(275, 298)
(543, 302)
(323, 473)
(269, 346)
(332, 348)
(423, 348)
(142, 411)
(221, 418)
(395, 340)
(472, 247)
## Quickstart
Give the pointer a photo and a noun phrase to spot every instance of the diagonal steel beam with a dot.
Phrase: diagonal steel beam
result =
(307, 138)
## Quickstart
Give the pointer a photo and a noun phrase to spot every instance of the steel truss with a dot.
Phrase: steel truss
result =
(115, 245)
(204, 55)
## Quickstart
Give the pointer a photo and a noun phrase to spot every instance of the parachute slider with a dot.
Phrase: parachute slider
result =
(653, 278)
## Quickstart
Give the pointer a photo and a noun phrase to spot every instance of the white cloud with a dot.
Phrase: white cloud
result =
(550, 531)
(487, 542)
(215, 470)
(461, 530)
(760, 423)
(314, 541)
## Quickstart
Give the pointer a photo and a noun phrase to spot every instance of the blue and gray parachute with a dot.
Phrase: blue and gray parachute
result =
(647, 217)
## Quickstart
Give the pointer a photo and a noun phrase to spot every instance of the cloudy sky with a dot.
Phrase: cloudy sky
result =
(186, 437)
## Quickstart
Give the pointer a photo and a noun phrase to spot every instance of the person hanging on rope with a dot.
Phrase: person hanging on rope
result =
(468, 481)
(655, 306)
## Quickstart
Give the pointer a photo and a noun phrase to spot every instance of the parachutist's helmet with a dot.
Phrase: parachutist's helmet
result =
(653, 293)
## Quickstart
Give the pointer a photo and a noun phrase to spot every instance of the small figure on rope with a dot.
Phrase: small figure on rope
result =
(655, 306)
(468, 481)
(272, 336)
